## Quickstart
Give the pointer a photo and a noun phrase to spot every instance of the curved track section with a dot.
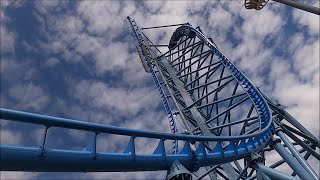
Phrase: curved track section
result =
(211, 81)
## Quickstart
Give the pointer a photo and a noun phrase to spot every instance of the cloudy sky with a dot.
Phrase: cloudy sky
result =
(77, 60)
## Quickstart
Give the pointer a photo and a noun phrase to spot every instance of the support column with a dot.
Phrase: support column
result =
(299, 5)
(290, 160)
(261, 175)
(227, 167)
(295, 152)
(272, 173)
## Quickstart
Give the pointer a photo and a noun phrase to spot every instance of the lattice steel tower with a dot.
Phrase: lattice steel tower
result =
(229, 128)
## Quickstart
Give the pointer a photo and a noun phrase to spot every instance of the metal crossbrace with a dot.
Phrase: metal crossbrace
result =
(171, 25)
(226, 120)
(183, 62)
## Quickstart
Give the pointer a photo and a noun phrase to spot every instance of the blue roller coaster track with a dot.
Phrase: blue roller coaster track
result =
(200, 84)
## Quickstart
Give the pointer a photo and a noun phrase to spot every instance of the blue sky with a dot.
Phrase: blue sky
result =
(77, 60)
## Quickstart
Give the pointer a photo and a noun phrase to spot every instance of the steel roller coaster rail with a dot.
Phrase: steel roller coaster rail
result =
(227, 121)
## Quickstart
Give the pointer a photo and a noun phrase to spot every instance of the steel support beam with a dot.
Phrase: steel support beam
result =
(294, 151)
(297, 155)
(195, 112)
(261, 175)
(301, 143)
(291, 161)
(277, 108)
(299, 5)
(171, 25)
(273, 174)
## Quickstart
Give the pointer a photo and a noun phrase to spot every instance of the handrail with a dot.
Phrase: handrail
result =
(17, 158)
(27, 117)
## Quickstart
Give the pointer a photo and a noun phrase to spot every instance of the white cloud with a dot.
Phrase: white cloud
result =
(128, 8)
(7, 40)
(98, 13)
(8, 67)
(9, 137)
(29, 96)
(306, 60)
(196, 6)
(308, 20)
(112, 57)
(300, 98)
(66, 24)
(220, 21)
(154, 6)
(295, 41)
(86, 44)
(52, 62)
(45, 7)
(7, 3)
(258, 24)
(117, 100)
(8, 175)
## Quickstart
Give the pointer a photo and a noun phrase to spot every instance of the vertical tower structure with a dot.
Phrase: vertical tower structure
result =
(214, 98)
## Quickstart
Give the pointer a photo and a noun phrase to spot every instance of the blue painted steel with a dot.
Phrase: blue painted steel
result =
(274, 174)
(55, 160)
(167, 108)
(143, 45)
(296, 154)
(256, 97)
(27, 117)
(27, 158)
(19, 158)
(291, 161)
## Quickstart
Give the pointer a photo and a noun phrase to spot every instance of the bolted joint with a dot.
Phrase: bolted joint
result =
(254, 159)
(277, 128)
(178, 171)
(279, 117)
(274, 141)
